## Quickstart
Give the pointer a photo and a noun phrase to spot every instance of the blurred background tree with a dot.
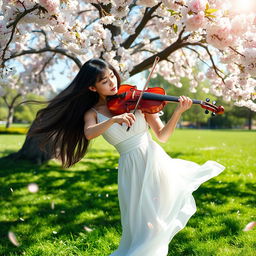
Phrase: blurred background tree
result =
(15, 107)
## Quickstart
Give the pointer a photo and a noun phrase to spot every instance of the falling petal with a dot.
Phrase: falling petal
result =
(250, 226)
(208, 148)
(88, 229)
(33, 187)
(54, 232)
(11, 189)
(21, 219)
(52, 205)
(106, 195)
(62, 212)
(150, 225)
(13, 238)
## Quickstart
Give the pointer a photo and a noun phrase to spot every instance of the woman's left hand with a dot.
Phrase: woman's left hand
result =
(185, 104)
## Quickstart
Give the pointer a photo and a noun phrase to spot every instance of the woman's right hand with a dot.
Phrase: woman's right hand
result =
(127, 118)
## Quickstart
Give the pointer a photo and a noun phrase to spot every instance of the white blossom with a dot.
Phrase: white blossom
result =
(83, 31)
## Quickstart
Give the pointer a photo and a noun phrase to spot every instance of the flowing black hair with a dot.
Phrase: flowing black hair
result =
(62, 121)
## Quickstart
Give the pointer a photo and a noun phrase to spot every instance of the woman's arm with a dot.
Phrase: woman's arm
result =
(163, 132)
(92, 129)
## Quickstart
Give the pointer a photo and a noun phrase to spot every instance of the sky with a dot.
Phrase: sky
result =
(61, 81)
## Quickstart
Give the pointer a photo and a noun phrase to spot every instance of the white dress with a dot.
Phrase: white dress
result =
(154, 190)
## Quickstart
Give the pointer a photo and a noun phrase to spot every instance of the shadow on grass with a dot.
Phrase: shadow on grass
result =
(64, 196)
(86, 191)
(217, 194)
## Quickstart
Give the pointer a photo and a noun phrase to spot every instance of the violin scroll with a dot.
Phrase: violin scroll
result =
(216, 110)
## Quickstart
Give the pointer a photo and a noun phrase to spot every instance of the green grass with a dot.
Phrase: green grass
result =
(16, 125)
(51, 221)
(14, 129)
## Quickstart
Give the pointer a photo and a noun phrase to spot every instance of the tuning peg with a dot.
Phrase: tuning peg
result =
(214, 102)
(213, 114)
(206, 111)
(207, 100)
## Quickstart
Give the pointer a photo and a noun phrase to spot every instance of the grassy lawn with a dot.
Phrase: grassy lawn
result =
(55, 220)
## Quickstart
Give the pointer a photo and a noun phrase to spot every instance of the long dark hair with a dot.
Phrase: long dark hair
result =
(62, 120)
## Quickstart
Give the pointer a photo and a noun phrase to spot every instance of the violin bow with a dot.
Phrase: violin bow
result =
(145, 86)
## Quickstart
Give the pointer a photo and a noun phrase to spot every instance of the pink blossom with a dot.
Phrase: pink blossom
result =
(210, 73)
(148, 3)
(195, 22)
(107, 20)
(216, 3)
(250, 41)
(239, 25)
(230, 83)
(78, 28)
(249, 61)
(200, 76)
(219, 34)
(197, 5)
(173, 4)
(50, 5)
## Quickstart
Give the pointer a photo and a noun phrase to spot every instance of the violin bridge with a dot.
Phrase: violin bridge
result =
(133, 94)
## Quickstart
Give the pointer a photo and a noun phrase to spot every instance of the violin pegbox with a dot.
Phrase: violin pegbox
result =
(212, 107)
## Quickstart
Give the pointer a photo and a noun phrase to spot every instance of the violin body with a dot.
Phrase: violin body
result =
(152, 101)
(126, 99)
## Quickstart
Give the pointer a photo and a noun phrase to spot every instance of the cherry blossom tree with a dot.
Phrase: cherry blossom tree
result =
(130, 34)
(15, 89)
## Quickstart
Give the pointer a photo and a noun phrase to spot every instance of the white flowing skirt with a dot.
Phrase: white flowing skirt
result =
(155, 196)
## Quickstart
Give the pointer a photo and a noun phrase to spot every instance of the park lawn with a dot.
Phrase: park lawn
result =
(55, 220)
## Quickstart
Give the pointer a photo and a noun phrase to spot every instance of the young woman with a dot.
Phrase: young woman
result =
(154, 190)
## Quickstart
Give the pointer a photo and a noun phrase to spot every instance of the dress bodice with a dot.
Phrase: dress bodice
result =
(123, 140)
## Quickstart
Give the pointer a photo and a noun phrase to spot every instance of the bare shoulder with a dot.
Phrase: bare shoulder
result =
(90, 115)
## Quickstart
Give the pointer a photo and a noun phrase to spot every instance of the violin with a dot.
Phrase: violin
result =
(151, 101)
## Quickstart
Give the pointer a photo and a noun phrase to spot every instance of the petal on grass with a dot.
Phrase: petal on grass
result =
(13, 239)
(33, 187)
(88, 229)
(250, 226)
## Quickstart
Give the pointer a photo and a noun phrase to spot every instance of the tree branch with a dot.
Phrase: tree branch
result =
(233, 49)
(14, 25)
(147, 16)
(99, 8)
(14, 99)
(49, 49)
(216, 69)
(45, 36)
(5, 100)
(140, 45)
(104, 10)
(198, 55)
(43, 68)
(163, 55)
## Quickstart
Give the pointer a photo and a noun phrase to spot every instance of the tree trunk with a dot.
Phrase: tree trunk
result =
(31, 150)
(10, 116)
(250, 119)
